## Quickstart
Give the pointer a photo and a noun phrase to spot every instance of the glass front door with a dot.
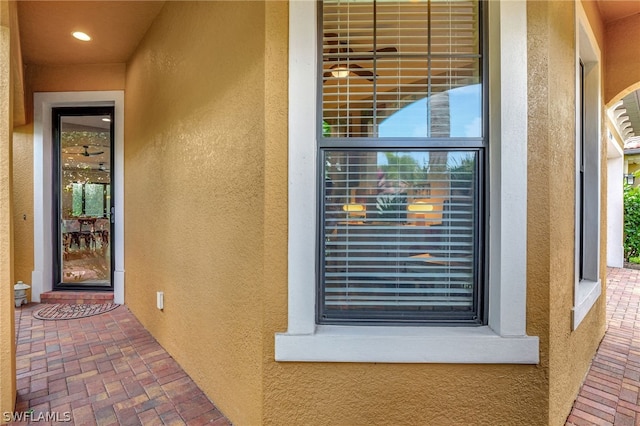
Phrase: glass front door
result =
(83, 190)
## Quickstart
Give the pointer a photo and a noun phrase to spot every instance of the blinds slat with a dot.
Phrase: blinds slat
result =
(411, 249)
(400, 228)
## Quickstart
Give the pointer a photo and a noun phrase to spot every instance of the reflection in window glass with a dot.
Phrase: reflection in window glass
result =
(403, 166)
(462, 116)
(400, 235)
(77, 199)
(94, 199)
(380, 57)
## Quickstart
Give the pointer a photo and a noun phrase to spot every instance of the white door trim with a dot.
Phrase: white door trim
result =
(42, 275)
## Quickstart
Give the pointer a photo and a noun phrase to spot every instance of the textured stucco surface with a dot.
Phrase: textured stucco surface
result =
(194, 179)
(71, 78)
(551, 197)
(7, 332)
(206, 206)
(23, 204)
(622, 62)
(369, 394)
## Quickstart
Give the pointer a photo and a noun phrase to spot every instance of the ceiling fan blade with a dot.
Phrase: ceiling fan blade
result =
(389, 49)
(364, 73)
(86, 152)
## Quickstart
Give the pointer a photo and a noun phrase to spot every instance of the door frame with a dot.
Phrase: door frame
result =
(57, 113)
(42, 275)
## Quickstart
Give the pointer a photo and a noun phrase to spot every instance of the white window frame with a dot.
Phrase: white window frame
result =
(588, 289)
(504, 339)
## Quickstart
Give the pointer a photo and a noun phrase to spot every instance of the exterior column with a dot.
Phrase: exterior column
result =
(7, 326)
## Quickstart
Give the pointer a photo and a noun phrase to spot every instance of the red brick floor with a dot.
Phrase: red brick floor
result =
(108, 370)
(102, 370)
(610, 392)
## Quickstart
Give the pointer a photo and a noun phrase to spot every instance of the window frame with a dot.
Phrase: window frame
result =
(504, 338)
(588, 286)
(376, 143)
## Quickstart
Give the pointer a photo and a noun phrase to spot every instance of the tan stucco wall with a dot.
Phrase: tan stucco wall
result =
(7, 331)
(63, 78)
(194, 179)
(206, 217)
(622, 61)
(23, 204)
(210, 139)
(369, 394)
(71, 78)
(592, 11)
(551, 200)
(46, 78)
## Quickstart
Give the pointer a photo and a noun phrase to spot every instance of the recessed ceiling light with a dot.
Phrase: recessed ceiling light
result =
(81, 36)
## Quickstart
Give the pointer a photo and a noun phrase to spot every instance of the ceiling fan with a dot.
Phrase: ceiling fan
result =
(86, 152)
(342, 69)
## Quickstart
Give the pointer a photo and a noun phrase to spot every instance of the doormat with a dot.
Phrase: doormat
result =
(64, 311)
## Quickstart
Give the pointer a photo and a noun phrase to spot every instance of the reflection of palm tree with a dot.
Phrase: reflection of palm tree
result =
(439, 115)
(463, 172)
(403, 168)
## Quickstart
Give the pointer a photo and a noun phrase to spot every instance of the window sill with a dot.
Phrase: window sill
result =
(461, 345)
(587, 293)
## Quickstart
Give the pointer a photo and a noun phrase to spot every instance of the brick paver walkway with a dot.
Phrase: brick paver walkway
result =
(610, 392)
(102, 370)
(108, 370)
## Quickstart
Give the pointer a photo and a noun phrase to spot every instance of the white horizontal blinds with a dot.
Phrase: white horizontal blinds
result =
(401, 207)
(399, 235)
(348, 66)
(381, 57)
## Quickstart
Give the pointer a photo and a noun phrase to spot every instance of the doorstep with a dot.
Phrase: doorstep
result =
(77, 297)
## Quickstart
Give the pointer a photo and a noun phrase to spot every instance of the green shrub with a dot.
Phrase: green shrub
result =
(631, 221)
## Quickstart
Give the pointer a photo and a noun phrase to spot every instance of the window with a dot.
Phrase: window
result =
(588, 287)
(89, 199)
(402, 158)
(314, 160)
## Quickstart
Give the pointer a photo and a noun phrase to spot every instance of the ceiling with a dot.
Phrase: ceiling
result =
(118, 26)
(611, 10)
(85, 146)
(626, 113)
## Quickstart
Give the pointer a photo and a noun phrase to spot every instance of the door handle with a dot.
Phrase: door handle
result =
(113, 215)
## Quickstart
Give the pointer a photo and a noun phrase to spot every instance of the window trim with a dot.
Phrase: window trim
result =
(588, 287)
(504, 339)
(426, 143)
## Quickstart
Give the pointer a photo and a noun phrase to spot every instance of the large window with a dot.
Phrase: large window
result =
(350, 151)
(402, 162)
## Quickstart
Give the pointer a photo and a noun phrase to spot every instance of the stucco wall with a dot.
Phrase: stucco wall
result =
(370, 394)
(622, 38)
(205, 167)
(7, 332)
(71, 78)
(23, 203)
(194, 178)
(551, 198)
(41, 78)
(46, 78)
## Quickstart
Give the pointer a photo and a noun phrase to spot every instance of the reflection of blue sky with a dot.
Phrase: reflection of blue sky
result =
(465, 107)
(454, 158)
